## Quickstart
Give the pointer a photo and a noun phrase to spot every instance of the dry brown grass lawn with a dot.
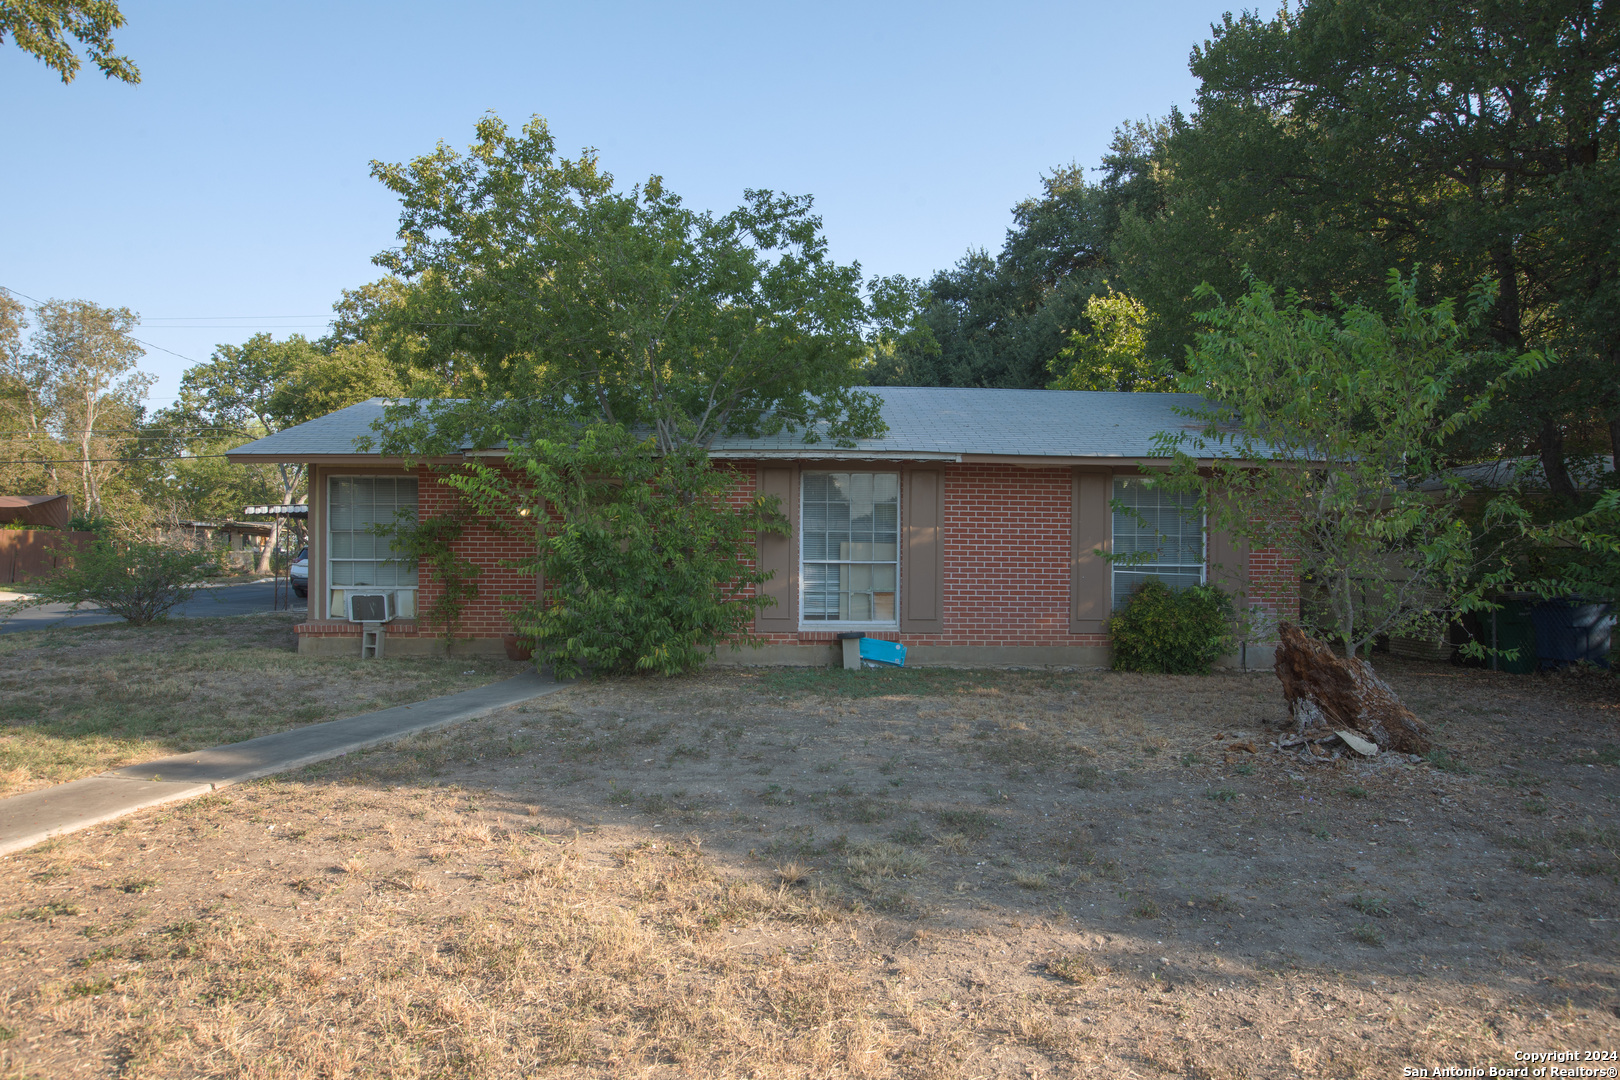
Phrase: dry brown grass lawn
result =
(777, 874)
(75, 701)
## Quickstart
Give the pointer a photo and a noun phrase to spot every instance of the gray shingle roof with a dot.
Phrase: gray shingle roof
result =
(1025, 423)
(934, 421)
(334, 433)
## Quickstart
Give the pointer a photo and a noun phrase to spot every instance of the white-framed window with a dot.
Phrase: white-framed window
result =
(849, 550)
(1165, 529)
(356, 556)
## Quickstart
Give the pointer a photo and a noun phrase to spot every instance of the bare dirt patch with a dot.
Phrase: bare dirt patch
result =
(807, 874)
(75, 701)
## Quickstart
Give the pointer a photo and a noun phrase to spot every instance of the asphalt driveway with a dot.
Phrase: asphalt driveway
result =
(208, 602)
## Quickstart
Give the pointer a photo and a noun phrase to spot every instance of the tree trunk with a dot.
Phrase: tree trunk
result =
(1551, 439)
(289, 484)
(267, 552)
(92, 505)
(1328, 693)
(92, 495)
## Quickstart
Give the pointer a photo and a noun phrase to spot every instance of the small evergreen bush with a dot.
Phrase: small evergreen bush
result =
(1160, 630)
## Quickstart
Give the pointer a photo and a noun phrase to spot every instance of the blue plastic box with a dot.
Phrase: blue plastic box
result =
(887, 653)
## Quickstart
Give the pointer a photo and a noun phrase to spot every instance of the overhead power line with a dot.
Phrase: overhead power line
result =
(139, 433)
(229, 326)
(113, 460)
(171, 352)
(160, 348)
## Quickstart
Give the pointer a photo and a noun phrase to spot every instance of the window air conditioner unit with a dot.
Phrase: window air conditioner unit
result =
(371, 607)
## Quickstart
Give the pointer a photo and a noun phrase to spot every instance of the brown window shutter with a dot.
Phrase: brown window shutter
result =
(1091, 529)
(1228, 559)
(922, 561)
(778, 554)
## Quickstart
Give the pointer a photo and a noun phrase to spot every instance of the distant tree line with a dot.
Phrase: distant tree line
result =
(74, 418)
(1329, 145)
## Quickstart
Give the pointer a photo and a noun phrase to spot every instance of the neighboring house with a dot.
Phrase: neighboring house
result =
(969, 531)
(240, 543)
(1525, 474)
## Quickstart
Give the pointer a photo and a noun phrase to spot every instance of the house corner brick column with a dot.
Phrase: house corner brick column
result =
(501, 586)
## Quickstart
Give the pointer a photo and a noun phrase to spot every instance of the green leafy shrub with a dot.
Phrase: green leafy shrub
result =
(98, 524)
(429, 543)
(643, 554)
(1176, 633)
(136, 581)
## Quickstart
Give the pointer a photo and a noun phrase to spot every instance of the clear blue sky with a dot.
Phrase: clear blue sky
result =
(229, 192)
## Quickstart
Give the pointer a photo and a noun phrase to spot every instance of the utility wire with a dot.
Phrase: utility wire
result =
(131, 337)
(232, 326)
(112, 460)
(160, 348)
(156, 430)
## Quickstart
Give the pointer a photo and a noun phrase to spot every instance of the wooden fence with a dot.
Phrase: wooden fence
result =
(30, 553)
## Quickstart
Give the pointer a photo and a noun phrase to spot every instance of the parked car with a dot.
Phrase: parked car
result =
(299, 573)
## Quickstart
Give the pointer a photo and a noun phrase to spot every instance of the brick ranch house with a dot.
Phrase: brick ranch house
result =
(969, 532)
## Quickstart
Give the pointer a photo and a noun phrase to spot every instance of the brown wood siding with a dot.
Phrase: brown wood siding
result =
(1091, 530)
(922, 561)
(318, 598)
(778, 555)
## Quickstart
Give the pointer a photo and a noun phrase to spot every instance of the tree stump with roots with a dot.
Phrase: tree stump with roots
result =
(1328, 693)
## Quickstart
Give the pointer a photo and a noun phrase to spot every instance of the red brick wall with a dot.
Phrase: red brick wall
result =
(1006, 563)
(1274, 583)
(501, 587)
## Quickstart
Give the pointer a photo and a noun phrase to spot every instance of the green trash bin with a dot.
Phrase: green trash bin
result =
(1513, 629)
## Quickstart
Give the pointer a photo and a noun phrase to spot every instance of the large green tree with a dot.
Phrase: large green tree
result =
(1458, 142)
(28, 448)
(47, 29)
(541, 291)
(72, 408)
(1113, 354)
(80, 372)
(608, 337)
(1328, 432)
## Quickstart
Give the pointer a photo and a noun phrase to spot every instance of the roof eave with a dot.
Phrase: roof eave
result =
(832, 454)
(293, 458)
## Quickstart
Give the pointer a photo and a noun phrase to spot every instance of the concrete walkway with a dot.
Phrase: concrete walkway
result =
(26, 820)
